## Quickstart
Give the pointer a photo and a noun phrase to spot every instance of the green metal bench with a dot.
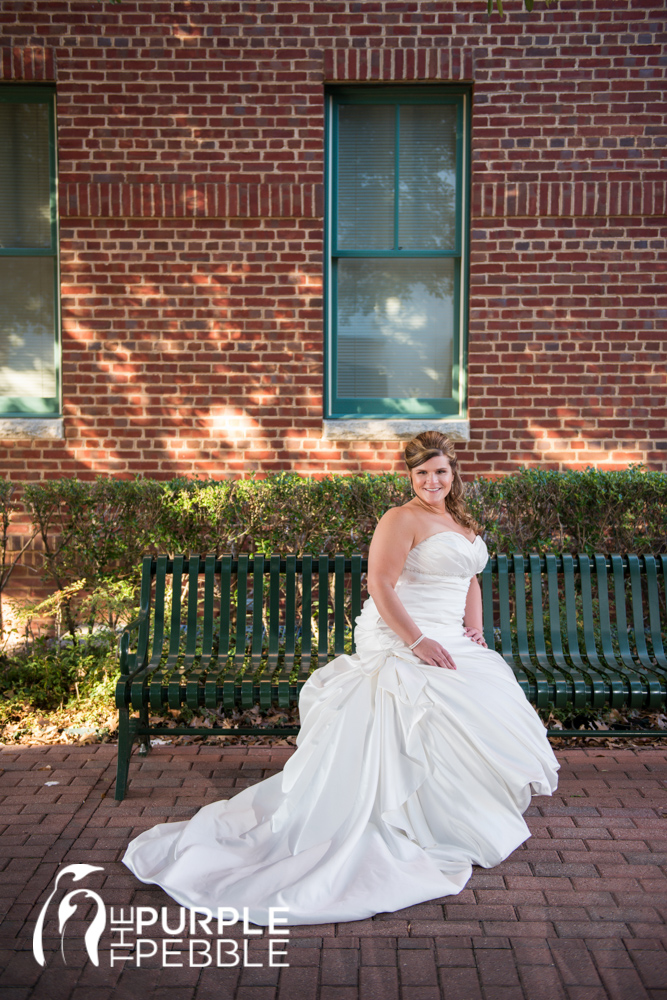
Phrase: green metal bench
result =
(224, 633)
(589, 631)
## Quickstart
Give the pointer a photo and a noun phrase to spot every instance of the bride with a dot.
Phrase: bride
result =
(416, 756)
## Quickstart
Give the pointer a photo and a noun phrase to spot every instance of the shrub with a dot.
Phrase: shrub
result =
(48, 674)
(285, 513)
(592, 511)
(9, 556)
(92, 531)
(96, 532)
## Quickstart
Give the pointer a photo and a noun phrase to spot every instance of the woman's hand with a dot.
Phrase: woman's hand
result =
(476, 635)
(434, 654)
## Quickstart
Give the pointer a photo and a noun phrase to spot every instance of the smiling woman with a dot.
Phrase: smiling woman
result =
(436, 508)
(433, 480)
(416, 758)
(434, 476)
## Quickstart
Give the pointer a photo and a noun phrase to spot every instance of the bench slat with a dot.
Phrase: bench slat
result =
(561, 684)
(171, 673)
(542, 684)
(143, 639)
(576, 684)
(636, 686)
(355, 579)
(505, 627)
(651, 677)
(283, 680)
(195, 690)
(306, 618)
(323, 610)
(266, 683)
(650, 564)
(611, 686)
(595, 685)
(218, 666)
(248, 679)
(158, 635)
(188, 664)
(339, 605)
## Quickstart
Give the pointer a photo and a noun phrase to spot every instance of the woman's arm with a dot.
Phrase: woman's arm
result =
(473, 612)
(472, 619)
(389, 549)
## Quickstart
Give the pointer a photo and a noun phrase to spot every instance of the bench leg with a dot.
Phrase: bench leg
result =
(144, 741)
(125, 741)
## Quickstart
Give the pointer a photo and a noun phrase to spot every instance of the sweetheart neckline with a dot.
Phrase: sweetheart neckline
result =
(447, 531)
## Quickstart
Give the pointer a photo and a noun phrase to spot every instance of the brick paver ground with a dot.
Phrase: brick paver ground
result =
(577, 913)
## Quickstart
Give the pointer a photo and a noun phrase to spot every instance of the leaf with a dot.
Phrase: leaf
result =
(528, 5)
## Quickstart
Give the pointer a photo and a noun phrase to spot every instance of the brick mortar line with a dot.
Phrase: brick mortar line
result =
(528, 219)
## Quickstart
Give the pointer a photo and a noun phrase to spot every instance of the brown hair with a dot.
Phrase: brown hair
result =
(427, 445)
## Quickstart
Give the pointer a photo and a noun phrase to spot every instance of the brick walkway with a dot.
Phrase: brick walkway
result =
(577, 913)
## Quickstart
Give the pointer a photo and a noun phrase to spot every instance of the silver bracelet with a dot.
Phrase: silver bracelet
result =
(417, 641)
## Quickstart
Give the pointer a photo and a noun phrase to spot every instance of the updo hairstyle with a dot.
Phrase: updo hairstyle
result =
(427, 445)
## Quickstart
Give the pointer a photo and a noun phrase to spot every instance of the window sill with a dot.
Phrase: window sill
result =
(31, 428)
(379, 429)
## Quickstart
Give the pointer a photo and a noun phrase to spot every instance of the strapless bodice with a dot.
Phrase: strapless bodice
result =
(432, 588)
(446, 554)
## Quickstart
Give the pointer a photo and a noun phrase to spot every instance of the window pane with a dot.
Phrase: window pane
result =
(427, 177)
(395, 328)
(366, 142)
(25, 202)
(27, 322)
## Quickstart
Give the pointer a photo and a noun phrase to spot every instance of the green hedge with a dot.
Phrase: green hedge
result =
(98, 530)
(590, 511)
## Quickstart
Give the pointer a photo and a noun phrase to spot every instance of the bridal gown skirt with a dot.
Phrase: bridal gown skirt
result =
(404, 777)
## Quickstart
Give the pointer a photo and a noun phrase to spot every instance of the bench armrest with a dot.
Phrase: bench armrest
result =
(124, 643)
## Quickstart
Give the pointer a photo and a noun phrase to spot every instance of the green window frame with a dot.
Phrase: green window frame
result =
(29, 302)
(386, 145)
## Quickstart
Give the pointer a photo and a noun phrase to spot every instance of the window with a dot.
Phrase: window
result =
(396, 251)
(29, 369)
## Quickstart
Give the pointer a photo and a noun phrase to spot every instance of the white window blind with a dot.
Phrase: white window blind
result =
(27, 319)
(395, 328)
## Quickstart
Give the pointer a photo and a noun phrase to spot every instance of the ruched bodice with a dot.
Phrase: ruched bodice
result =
(405, 774)
(446, 554)
(432, 587)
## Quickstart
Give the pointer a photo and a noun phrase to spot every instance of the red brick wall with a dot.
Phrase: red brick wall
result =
(191, 164)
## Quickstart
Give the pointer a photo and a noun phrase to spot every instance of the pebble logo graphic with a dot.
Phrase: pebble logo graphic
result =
(67, 909)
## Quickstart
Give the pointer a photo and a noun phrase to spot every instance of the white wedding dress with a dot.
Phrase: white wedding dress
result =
(405, 775)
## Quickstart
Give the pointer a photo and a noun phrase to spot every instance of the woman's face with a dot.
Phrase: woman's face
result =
(432, 480)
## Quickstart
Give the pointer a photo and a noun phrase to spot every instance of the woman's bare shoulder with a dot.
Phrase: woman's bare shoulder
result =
(393, 538)
(399, 516)
(401, 521)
